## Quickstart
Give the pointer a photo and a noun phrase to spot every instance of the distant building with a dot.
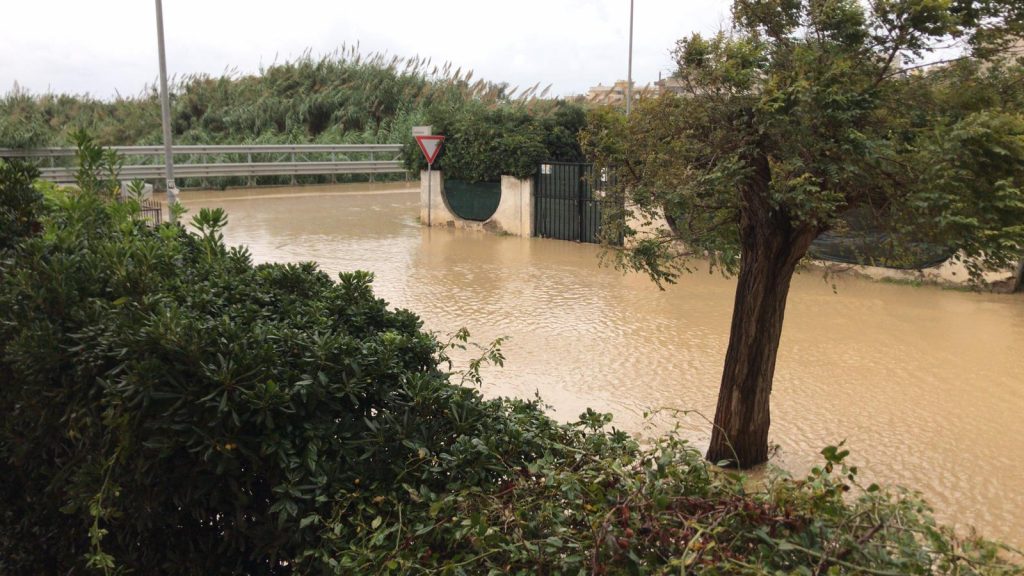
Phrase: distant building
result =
(670, 86)
(1012, 52)
(1017, 49)
(616, 93)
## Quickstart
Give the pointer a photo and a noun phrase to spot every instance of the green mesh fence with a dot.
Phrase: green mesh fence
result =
(863, 241)
(472, 200)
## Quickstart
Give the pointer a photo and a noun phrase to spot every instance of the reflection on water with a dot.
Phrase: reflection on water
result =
(925, 385)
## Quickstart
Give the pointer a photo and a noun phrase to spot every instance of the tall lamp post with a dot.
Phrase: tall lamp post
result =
(165, 109)
(629, 73)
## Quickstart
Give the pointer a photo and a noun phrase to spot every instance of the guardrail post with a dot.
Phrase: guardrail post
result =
(334, 176)
(248, 159)
(203, 182)
(293, 167)
(371, 160)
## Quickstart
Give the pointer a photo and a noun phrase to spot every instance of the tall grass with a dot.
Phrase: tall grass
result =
(343, 97)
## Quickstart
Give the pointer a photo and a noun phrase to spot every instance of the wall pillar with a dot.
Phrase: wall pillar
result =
(513, 216)
(515, 211)
(438, 214)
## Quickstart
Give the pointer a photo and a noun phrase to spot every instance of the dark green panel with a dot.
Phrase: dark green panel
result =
(472, 200)
(591, 222)
(864, 241)
(874, 249)
(565, 204)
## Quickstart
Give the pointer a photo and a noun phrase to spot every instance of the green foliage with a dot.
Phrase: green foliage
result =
(807, 115)
(482, 142)
(20, 203)
(342, 98)
(23, 123)
(98, 167)
(208, 406)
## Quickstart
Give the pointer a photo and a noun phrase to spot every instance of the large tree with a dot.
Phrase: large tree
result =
(810, 116)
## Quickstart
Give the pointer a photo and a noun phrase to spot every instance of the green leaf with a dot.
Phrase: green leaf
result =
(784, 545)
(308, 520)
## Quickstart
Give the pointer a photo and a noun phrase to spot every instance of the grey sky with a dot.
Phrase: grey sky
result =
(103, 46)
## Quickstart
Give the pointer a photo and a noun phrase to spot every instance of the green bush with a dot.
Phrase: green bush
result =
(168, 403)
(170, 408)
(347, 97)
(483, 143)
(20, 202)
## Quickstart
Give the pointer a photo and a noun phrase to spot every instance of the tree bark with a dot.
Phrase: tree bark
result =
(771, 249)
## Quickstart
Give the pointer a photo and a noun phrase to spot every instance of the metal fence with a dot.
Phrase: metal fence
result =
(151, 211)
(570, 202)
(252, 161)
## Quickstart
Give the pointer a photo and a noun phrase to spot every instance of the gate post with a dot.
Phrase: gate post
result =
(580, 206)
(533, 201)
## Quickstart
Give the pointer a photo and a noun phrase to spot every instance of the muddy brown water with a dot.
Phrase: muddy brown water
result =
(925, 385)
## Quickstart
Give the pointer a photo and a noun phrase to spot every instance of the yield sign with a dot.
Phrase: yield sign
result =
(430, 145)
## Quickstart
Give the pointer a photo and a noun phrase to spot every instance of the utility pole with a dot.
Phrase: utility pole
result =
(629, 73)
(165, 109)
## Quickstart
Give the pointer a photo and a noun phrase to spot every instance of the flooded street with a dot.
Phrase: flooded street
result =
(925, 385)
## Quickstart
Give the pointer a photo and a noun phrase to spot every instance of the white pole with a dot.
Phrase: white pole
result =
(629, 73)
(430, 197)
(165, 109)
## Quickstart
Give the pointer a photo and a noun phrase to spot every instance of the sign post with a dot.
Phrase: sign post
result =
(165, 110)
(430, 146)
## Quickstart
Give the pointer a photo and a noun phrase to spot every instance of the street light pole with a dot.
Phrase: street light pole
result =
(165, 109)
(629, 73)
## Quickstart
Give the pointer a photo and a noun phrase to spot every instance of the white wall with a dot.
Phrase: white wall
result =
(438, 213)
(513, 216)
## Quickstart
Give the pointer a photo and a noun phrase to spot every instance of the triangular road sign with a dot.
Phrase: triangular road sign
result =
(430, 145)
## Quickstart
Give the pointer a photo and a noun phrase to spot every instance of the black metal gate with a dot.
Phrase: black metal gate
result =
(568, 201)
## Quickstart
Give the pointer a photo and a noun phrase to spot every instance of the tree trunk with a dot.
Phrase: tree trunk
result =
(771, 250)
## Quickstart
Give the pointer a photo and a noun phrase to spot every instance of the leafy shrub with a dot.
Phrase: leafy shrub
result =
(20, 202)
(483, 143)
(195, 408)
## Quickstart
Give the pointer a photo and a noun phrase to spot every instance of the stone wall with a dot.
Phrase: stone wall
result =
(513, 216)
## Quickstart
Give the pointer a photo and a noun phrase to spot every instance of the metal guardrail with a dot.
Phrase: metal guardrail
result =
(213, 149)
(284, 160)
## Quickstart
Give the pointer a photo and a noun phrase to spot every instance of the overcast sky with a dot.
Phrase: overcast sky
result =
(107, 46)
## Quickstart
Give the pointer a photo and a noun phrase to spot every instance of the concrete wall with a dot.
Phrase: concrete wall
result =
(515, 211)
(438, 213)
(948, 273)
(514, 214)
(646, 226)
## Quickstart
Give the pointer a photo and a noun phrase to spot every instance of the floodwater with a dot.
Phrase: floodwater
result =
(925, 385)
